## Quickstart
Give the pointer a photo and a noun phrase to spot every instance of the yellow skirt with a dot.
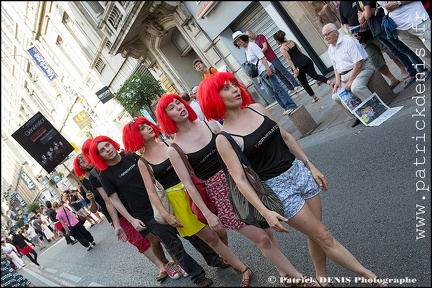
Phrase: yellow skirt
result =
(179, 202)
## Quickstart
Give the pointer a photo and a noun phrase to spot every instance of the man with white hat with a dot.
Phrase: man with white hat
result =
(265, 71)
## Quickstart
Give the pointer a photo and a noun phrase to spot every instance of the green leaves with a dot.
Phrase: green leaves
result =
(138, 91)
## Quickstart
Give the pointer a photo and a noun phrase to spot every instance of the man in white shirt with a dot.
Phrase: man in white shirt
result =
(351, 66)
(413, 26)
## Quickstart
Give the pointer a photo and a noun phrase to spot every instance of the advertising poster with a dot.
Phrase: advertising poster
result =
(43, 142)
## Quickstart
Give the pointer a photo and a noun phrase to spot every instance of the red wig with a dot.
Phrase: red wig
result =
(96, 159)
(211, 102)
(86, 149)
(168, 126)
(132, 138)
(77, 165)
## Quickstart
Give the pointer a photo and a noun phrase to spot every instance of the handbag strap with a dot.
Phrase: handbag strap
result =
(184, 158)
(149, 169)
(237, 149)
(69, 224)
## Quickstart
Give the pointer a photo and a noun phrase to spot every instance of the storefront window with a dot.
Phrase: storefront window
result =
(310, 17)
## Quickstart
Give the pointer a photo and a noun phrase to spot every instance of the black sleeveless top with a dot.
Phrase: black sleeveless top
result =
(299, 59)
(266, 149)
(165, 174)
(205, 162)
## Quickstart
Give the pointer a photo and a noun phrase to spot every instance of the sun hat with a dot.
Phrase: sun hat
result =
(195, 61)
(237, 34)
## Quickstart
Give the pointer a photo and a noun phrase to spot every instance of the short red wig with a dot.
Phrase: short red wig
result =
(211, 102)
(168, 126)
(132, 138)
(96, 159)
(76, 165)
(85, 149)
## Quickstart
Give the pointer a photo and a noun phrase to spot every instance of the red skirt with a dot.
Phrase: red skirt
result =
(58, 225)
(26, 250)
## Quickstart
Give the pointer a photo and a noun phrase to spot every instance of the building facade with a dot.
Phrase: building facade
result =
(93, 47)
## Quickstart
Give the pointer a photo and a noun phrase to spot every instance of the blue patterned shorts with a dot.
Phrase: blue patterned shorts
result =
(293, 187)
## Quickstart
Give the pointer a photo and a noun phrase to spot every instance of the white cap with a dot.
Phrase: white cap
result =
(237, 34)
(195, 89)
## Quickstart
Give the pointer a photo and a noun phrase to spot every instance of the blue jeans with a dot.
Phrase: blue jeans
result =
(275, 90)
(282, 72)
(406, 56)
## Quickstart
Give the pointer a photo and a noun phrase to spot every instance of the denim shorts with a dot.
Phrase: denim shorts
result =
(293, 187)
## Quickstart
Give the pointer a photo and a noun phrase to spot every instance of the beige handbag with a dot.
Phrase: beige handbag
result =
(160, 191)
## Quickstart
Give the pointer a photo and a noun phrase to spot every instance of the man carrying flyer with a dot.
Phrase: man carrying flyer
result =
(351, 66)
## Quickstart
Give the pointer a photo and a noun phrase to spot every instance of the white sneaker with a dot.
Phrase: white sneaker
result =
(288, 111)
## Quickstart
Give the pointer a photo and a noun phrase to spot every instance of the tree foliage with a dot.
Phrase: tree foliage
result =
(137, 92)
(33, 207)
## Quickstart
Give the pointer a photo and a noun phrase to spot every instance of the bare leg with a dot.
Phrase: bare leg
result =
(318, 256)
(401, 68)
(305, 222)
(384, 70)
(157, 248)
(261, 239)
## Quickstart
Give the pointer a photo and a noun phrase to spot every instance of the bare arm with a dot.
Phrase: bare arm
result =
(236, 171)
(184, 176)
(118, 230)
(136, 223)
(154, 198)
(284, 51)
(265, 47)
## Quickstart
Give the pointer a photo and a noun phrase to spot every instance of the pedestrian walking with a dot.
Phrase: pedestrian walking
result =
(300, 63)
(282, 164)
(265, 71)
(73, 226)
(24, 247)
(120, 177)
(197, 140)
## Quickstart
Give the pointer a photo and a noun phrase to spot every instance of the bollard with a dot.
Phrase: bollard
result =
(379, 85)
(301, 118)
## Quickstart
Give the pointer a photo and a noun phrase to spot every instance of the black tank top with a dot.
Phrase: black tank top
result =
(165, 174)
(299, 59)
(205, 162)
(266, 149)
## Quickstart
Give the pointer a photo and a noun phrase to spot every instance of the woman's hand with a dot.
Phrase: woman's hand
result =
(296, 72)
(273, 219)
(214, 222)
(319, 178)
(138, 224)
(173, 221)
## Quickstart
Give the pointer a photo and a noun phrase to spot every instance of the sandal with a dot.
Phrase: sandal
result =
(246, 281)
(315, 99)
(330, 83)
(305, 281)
(329, 284)
(162, 276)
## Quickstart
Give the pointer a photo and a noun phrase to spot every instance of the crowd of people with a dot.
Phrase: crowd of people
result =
(120, 183)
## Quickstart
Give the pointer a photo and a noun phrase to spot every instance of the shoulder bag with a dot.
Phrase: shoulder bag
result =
(70, 227)
(200, 186)
(245, 211)
(161, 193)
(251, 69)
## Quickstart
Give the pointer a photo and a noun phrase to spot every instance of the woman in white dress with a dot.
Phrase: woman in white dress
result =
(48, 233)
(12, 252)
